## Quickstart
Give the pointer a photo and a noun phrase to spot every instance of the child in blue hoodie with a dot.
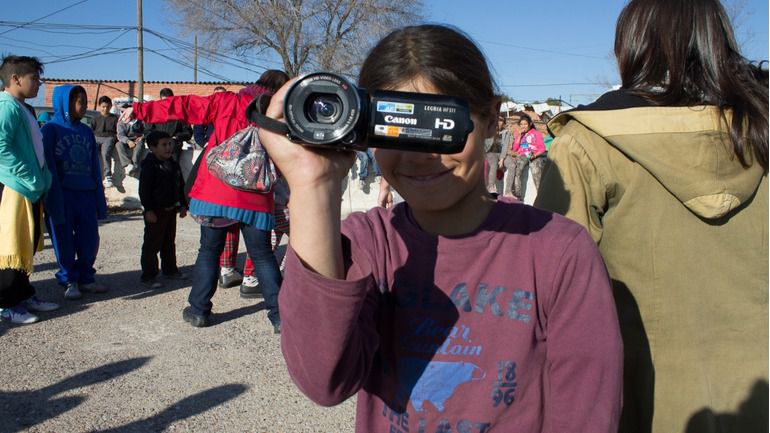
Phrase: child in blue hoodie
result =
(76, 199)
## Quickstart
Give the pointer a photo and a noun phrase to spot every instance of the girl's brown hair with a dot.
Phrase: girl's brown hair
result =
(444, 56)
(272, 79)
(683, 53)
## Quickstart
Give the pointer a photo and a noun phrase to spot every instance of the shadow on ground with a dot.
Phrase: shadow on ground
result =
(25, 409)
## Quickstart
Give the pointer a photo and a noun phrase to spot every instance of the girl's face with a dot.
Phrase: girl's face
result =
(434, 183)
(523, 126)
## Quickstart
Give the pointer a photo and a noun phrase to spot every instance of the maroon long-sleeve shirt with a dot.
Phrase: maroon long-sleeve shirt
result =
(511, 328)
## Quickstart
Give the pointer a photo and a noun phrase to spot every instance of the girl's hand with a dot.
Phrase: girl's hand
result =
(302, 166)
(385, 197)
(315, 181)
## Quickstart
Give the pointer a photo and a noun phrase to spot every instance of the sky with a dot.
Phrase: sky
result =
(537, 50)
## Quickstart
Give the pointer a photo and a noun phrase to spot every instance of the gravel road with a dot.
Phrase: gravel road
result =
(124, 361)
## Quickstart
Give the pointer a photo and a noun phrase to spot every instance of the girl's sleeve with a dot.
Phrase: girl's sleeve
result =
(539, 144)
(328, 330)
(188, 108)
(584, 363)
(572, 185)
(516, 143)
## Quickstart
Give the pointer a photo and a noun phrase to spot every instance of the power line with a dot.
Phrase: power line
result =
(187, 65)
(213, 55)
(45, 16)
(67, 29)
(85, 53)
(542, 50)
(552, 85)
(88, 56)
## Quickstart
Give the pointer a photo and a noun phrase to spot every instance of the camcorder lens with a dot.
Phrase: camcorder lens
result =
(324, 109)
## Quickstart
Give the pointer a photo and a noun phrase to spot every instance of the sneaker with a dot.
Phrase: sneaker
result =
(177, 276)
(152, 284)
(377, 179)
(17, 314)
(196, 320)
(229, 279)
(72, 292)
(250, 288)
(108, 182)
(93, 288)
(34, 304)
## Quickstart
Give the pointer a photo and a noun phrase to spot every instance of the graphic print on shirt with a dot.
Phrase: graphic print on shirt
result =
(436, 381)
(73, 151)
(441, 361)
(505, 385)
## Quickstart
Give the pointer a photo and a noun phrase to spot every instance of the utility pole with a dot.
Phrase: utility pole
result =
(139, 52)
(195, 60)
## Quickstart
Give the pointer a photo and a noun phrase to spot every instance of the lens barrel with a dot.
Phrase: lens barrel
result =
(323, 108)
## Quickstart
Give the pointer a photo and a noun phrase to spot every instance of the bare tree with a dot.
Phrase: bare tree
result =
(330, 35)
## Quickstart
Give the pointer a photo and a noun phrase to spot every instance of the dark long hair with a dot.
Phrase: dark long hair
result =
(530, 123)
(444, 56)
(684, 53)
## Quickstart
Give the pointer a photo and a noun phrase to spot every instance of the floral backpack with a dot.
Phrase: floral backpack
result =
(242, 163)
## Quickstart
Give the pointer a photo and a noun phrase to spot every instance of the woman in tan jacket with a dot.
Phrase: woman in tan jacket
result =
(669, 175)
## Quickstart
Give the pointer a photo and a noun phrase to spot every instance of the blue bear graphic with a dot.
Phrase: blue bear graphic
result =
(434, 381)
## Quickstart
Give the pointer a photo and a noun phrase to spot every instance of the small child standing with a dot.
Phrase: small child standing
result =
(76, 199)
(161, 191)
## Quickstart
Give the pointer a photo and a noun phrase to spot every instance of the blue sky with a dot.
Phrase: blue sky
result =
(560, 48)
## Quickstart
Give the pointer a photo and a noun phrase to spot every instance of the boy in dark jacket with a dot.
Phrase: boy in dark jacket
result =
(161, 191)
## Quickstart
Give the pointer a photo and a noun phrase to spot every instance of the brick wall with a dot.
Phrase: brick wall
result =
(122, 89)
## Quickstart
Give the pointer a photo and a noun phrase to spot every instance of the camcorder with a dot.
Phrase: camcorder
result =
(323, 109)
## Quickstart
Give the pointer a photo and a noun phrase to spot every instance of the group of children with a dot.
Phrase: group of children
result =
(419, 309)
(63, 186)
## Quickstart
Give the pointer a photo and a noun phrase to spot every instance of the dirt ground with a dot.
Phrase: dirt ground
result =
(125, 361)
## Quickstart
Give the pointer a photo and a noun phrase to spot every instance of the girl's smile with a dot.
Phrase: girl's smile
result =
(445, 192)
